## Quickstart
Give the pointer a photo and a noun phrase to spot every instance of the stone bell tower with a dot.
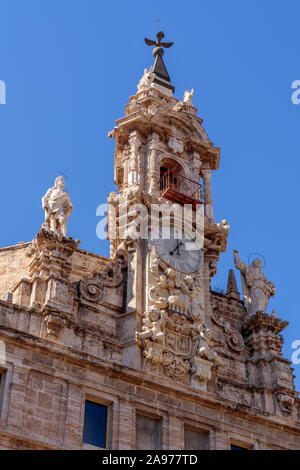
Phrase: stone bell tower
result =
(164, 159)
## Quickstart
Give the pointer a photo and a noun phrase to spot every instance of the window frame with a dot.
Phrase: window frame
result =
(242, 444)
(155, 417)
(199, 430)
(2, 382)
(108, 405)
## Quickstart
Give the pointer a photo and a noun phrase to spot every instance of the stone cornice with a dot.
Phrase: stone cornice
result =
(264, 321)
(140, 378)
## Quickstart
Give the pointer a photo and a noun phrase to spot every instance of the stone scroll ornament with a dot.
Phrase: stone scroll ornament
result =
(234, 339)
(257, 289)
(173, 334)
(91, 288)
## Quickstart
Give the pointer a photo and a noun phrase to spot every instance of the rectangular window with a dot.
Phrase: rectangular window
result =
(235, 447)
(148, 433)
(195, 440)
(95, 424)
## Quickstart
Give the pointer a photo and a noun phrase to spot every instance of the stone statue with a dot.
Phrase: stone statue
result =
(58, 207)
(205, 349)
(257, 289)
(188, 96)
(146, 80)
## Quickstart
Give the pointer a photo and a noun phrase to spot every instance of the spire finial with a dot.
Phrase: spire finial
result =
(159, 69)
(232, 290)
(159, 44)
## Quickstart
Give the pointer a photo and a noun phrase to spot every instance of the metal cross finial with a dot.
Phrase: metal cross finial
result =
(160, 35)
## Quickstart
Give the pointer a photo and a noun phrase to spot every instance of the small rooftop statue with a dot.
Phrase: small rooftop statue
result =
(257, 289)
(188, 97)
(58, 207)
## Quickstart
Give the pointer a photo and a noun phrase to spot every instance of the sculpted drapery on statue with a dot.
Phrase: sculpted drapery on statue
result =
(58, 207)
(257, 289)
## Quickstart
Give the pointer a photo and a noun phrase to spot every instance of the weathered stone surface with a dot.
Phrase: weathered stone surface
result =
(134, 332)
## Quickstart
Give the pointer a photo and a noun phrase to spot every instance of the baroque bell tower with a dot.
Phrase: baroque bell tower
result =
(163, 166)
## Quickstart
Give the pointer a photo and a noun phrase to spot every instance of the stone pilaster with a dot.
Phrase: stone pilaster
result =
(48, 287)
(153, 173)
(133, 170)
(267, 369)
(208, 202)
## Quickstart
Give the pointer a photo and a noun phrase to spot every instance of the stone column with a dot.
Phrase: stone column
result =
(196, 164)
(208, 208)
(133, 169)
(153, 173)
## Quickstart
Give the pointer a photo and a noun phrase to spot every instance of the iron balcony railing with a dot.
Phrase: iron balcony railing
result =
(180, 189)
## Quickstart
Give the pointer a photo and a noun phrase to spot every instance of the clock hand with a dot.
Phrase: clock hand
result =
(177, 248)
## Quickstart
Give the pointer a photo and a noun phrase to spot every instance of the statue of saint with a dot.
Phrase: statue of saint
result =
(257, 289)
(188, 95)
(58, 207)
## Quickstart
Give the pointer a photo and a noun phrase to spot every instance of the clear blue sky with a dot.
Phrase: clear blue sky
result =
(70, 67)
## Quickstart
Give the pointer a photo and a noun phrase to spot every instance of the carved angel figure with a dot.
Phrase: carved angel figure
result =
(146, 80)
(58, 207)
(257, 289)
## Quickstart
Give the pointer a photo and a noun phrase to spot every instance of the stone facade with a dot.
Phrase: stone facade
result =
(134, 332)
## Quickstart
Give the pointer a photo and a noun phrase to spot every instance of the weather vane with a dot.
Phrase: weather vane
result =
(160, 35)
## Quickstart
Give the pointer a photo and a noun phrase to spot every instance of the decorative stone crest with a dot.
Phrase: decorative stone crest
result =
(234, 339)
(176, 145)
(175, 342)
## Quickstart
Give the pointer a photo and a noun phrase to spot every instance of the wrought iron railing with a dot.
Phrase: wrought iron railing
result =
(181, 185)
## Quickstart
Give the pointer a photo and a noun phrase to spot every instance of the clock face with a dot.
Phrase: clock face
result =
(183, 254)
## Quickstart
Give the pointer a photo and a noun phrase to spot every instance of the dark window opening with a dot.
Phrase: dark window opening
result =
(235, 447)
(95, 424)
